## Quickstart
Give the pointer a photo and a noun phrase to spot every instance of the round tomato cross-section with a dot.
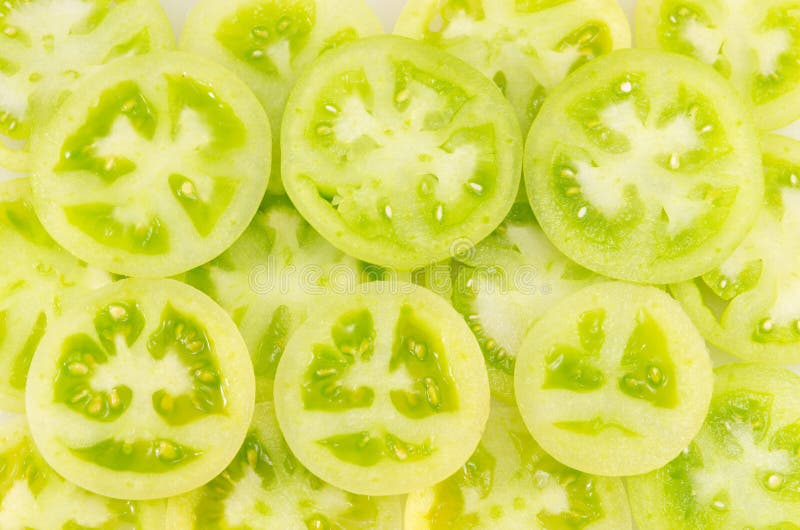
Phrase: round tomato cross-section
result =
(143, 389)
(743, 468)
(153, 166)
(644, 166)
(614, 380)
(382, 391)
(397, 152)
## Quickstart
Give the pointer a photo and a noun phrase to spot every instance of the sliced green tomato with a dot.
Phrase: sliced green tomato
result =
(34, 497)
(750, 305)
(143, 389)
(614, 380)
(526, 49)
(266, 487)
(505, 284)
(268, 43)
(382, 391)
(46, 44)
(270, 278)
(743, 468)
(153, 166)
(644, 166)
(753, 43)
(397, 152)
(510, 482)
(37, 277)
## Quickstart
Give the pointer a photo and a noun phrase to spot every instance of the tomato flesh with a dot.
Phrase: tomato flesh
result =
(151, 372)
(643, 176)
(395, 152)
(742, 468)
(511, 482)
(746, 306)
(412, 430)
(45, 45)
(152, 167)
(593, 373)
(268, 43)
(754, 44)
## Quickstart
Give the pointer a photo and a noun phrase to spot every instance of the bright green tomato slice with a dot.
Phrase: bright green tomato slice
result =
(268, 43)
(34, 497)
(270, 278)
(141, 390)
(511, 483)
(266, 487)
(614, 380)
(507, 282)
(152, 166)
(46, 44)
(644, 166)
(750, 305)
(743, 468)
(37, 277)
(755, 44)
(395, 151)
(383, 391)
(525, 47)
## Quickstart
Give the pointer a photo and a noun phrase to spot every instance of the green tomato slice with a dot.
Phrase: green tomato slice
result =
(749, 306)
(743, 468)
(268, 43)
(526, 48)
(141, 390)
(395, 151)
(510, 482)
(383, 391)
(614, 380)
(505, 284)
(755, 44)
(644, 166)
(37, 278)
(266, 487)
(153, 166)
(34, 497)
(270, 278)
(46, 44)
